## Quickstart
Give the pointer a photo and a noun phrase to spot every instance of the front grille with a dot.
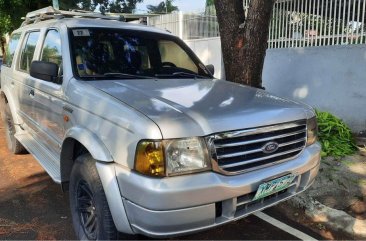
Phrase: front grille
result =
(241, 151)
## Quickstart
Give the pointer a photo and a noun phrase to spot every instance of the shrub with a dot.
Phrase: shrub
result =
(334, 135)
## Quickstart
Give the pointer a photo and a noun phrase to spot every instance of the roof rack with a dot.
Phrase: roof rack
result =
(51, 13)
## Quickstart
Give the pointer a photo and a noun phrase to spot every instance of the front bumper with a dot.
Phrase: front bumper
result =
(185, 204)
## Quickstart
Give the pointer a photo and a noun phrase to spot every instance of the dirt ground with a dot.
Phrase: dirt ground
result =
(341, 185)
(32, 206)
(298, 216)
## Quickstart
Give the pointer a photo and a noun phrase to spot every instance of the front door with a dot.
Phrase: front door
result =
(47, 97)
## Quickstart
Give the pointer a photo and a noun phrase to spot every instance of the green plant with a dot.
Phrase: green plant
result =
(335, 136)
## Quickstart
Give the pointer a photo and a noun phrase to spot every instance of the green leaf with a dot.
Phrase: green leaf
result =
(334, 135)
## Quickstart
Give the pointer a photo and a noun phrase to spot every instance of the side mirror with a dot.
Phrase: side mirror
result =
(46, 71)
(211, 68)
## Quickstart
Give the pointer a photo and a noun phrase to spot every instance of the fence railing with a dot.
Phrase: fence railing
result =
(295, 23)
(187, 26)
(304, 23)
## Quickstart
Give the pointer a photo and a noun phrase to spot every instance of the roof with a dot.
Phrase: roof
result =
(89, 23)
(74, 22)
(50, 17)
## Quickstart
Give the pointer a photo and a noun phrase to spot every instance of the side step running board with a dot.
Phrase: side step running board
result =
(48, 161)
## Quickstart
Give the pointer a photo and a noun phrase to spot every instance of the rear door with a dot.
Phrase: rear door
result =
(7, 68)
(8, 59)
(21, 74)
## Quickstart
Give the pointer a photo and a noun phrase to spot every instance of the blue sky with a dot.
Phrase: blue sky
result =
(184, 5)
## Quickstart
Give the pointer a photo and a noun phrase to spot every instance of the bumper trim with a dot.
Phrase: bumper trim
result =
(138, 228)
(168, 223)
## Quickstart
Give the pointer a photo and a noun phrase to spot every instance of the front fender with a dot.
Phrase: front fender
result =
(91, 142)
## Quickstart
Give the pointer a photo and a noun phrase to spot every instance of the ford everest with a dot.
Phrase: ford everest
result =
(129, 121)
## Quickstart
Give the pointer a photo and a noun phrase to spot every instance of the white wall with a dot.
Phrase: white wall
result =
(209, 51)
(331, 78)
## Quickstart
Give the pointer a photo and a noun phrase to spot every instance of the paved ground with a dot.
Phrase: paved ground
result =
(33, 207)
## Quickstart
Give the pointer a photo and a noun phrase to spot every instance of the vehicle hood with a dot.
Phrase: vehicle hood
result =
(188, 107)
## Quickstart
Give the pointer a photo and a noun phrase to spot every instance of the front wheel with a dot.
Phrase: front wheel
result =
(91, 216)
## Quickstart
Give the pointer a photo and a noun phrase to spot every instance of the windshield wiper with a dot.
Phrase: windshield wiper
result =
(124, 75)
(183, 74)
(115, 75)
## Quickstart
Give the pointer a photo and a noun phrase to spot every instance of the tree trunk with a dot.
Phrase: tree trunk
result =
(244, 41)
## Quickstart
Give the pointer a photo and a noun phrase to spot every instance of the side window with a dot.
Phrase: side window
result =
(10, 49)
(172, 53)
(28, 51)
(51, 50)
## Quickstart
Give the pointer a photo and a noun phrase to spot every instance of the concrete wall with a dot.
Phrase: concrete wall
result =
(209, 51)
(329, 78)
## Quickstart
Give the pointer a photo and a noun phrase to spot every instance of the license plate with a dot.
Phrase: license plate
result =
(273, 186)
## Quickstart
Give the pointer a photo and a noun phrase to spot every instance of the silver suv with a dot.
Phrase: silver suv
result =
(130, 121)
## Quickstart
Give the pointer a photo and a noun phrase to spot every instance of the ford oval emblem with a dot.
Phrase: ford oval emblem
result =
(270, 147)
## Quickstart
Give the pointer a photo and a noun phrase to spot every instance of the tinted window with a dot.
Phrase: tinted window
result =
(10, 49)
(28, 51)
(51, 50)
(112, 53)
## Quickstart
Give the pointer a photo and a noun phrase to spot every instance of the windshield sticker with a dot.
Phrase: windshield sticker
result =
(81, 32)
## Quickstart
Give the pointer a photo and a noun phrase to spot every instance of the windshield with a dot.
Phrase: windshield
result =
(115, 53)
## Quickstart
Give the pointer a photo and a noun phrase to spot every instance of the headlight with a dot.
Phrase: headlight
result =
(312, 131)
(186, 156)
(172, 157)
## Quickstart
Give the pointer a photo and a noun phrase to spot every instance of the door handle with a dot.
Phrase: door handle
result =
(31, 93)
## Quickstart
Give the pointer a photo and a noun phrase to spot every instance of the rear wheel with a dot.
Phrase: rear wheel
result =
(13, 144)
(2, 108)
(91, 216)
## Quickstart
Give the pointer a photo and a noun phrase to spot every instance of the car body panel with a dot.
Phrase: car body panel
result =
(119, 127)
(189, 107)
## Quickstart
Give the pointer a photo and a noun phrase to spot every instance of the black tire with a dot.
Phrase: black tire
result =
(13, 144)
(88, 202)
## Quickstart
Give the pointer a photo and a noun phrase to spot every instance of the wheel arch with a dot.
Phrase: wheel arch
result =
(6, 94)
(80, 141)
(3, 102)
(3, 96)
